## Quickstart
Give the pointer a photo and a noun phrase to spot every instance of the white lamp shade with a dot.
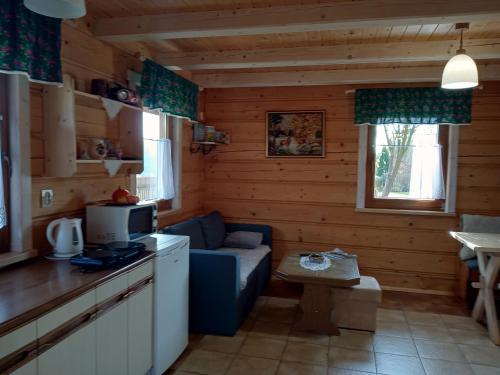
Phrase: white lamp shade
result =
(57, 8)
(460, 72)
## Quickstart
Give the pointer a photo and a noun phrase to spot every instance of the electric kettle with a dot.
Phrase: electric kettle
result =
(68, 239)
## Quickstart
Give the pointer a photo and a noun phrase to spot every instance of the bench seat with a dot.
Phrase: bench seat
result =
(356, 307)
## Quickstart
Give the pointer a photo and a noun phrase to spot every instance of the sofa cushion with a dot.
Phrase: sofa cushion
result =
(249, 260)
(191, 228)
(214, 230)
(243, 239)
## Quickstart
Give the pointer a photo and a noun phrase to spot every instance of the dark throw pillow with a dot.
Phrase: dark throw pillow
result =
(191, 228)
(214, 230)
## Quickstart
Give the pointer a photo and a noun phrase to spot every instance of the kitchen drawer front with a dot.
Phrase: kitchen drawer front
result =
(66, 312)
(74, 355)
(112, 288)
(140, 273)
(29, 368)
(17, 339)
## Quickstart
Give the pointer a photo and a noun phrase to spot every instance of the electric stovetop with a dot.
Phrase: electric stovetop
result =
(110, 255)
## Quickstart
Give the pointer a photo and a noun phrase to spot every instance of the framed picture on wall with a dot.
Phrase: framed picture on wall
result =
(295, 134)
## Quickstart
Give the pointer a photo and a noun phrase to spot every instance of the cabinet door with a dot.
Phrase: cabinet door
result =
(28, 369)
(75, 355)
(112, 341)
(140, 334)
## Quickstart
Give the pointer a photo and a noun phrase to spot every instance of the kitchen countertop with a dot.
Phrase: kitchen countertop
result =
(32, 288)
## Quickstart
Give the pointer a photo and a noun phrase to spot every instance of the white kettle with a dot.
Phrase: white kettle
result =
(68, 240)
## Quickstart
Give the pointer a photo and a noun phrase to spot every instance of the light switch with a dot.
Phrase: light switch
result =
(46, 198)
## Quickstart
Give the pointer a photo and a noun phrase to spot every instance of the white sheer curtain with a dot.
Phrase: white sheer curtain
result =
(166, 188)
(157, 180)
(426, 179)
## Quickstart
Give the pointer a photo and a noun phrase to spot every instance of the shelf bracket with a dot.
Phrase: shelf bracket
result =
(112, 166)
(205, 149)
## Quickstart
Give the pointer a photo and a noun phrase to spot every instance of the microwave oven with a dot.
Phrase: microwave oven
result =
(108, 222)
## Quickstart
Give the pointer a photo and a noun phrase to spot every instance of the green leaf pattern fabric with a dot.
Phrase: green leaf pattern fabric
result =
(29, 43)
(416, 106)
(164, 90)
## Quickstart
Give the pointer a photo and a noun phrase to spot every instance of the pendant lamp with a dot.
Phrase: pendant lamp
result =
(460, 71)
(57, 8)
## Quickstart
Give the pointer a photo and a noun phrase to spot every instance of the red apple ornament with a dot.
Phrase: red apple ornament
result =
(120, 195)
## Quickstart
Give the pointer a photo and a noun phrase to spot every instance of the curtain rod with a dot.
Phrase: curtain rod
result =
(353, 91)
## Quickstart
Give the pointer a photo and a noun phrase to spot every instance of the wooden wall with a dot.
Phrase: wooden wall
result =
(86, 58)
(310, 203)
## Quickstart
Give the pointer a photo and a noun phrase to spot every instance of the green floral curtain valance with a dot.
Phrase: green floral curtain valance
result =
(416, 106)
(29, 43)
(164, 90)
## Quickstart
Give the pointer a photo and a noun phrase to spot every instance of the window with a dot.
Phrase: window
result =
(408, 146)
(406, 166)
(147, 181)
(17, 241)
(159, 179)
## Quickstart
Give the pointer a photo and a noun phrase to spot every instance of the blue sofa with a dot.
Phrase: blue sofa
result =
(218, 304)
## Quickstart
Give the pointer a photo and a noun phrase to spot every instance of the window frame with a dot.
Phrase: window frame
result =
(365, 200)
(171, 129)
(20, 215)
(5, 162)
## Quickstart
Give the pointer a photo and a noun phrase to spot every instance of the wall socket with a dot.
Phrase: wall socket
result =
(46, 198)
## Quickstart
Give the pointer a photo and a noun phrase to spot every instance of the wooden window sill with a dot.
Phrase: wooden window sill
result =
(172, 211)
(11, 257)
(404, 212)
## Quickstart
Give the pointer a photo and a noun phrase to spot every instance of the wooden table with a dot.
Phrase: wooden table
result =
(487, 248)
(316, 303)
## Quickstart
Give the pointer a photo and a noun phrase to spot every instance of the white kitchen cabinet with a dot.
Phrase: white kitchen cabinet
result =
(29, 368)
(105, 331)
(74, 355)
(140, 331)
(112, 341)
(23, 338)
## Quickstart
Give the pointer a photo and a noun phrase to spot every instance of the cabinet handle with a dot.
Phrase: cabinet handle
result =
(13, 361)
(128, 294)
(67, 329)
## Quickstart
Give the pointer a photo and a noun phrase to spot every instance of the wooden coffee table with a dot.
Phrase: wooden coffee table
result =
(316, 303)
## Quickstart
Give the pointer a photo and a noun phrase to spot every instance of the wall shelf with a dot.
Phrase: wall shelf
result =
(92, 161)
(111, 165)
(94, 97)
(205, 147)
(71, 116)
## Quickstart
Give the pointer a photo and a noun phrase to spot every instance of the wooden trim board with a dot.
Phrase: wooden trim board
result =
(295, 18)
(329, 55)
(334, 77)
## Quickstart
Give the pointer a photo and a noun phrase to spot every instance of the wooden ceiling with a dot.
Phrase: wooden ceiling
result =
(399, 44)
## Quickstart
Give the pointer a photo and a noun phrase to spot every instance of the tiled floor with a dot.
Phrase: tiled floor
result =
(406, 343)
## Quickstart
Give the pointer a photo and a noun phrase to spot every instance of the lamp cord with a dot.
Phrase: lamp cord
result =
(461, 50)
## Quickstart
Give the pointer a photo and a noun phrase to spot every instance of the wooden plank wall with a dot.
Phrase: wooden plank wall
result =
(86, 58)
(310, 203)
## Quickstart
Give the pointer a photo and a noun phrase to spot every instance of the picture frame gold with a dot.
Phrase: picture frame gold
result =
(295, 134)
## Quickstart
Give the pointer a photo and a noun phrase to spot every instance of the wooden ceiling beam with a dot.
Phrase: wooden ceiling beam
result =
(329, 55)
(334, 77)
(298, 18)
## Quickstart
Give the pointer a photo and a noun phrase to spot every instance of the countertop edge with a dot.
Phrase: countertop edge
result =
(32, 314)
